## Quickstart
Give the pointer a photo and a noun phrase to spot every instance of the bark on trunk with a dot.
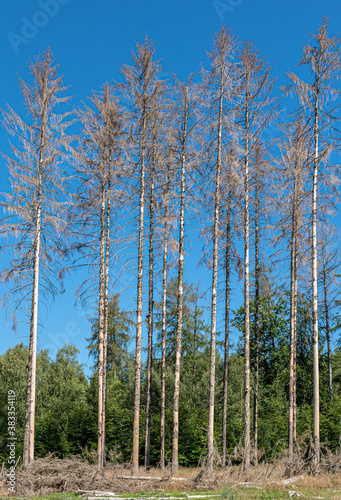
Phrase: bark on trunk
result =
(106, 314)
(210, 446)
(175, 441)
(227, 326)
(316, 459)
(150, 319)
(101, 325)
(29, 432)
(293, 322)
(28, 451)
(137, 383)
(163, 336)
(256, 375)
(246, 458)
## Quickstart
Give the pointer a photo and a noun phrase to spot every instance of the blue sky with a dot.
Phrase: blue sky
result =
(91, 40)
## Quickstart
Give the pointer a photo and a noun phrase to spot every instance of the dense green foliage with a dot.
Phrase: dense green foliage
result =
(66, 410)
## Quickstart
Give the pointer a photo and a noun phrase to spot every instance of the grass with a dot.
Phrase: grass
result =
(226, 493)
(54, 496)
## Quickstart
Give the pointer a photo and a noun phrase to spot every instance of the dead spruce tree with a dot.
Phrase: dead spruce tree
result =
(150, 296)
(292, 205)
(261, 173)
(36, 207)
(165, 203)
(141, 90)
(230, 184)
(182, 144)
(184, 130)
(324, 59)
(217, 91)
(166, 219)
(100, 166)
(254, 108)
(155, 155)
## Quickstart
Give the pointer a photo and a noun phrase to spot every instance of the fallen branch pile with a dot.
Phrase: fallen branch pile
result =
(51, 474)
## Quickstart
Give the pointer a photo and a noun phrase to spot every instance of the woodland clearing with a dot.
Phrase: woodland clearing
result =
(68, 479)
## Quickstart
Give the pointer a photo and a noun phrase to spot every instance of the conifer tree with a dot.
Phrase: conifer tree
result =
(255, 110)
(218, 86)
(142, 89)
(324, 59)
(36, 203)
(100, 165)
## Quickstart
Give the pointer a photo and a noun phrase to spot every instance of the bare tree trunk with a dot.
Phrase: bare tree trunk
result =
(28, 451)
(326, 312)
(163, 336)
(256, 374)
(195, 330)
(246, 459)
(175, 442)
(150, 317)
(227, 317)
(106, 310)
(292, 361)
(210, 446)
(29, 433)
(137, 386)
(295, 372)
(293, 324)
(101, 326)
(316, 459)
(106, 280)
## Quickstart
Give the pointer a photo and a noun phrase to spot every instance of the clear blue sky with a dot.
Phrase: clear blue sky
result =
(91, 39)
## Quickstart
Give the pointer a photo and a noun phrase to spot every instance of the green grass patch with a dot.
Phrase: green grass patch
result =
(226, 493)
(53, 496)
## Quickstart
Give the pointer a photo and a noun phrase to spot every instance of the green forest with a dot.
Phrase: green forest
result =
(67, 402)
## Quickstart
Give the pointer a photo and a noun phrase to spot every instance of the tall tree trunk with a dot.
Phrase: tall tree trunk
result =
(257, 273)
(210, 446)
(195, 331)
(28, 451)
(326, 312)
(175, 441)
(106, 280)
(106, 311)
(246, 459)
(293, 322)
(227, 326)
(137, 383)
(163, 336)
(150, 316)
(101, 326)
(29, 432)
(316, 459)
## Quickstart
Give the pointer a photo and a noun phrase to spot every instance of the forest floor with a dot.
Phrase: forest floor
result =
(75, 479)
